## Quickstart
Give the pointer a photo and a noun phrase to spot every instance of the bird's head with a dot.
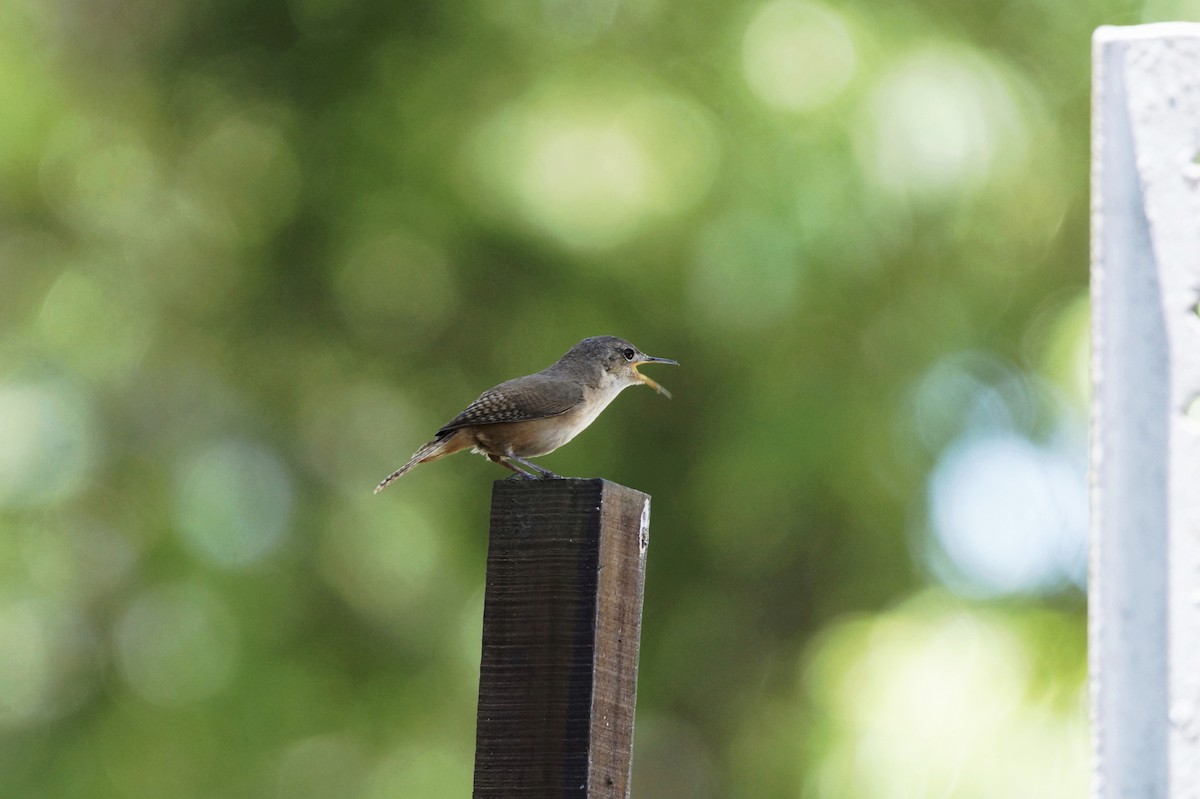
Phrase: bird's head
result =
(616, 360)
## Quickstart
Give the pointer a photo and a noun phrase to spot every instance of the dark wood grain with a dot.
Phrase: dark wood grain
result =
(561, 628)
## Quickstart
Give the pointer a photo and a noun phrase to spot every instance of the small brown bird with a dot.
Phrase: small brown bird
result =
(536, 414)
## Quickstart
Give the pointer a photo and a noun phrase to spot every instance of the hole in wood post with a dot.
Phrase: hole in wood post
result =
(644, 531)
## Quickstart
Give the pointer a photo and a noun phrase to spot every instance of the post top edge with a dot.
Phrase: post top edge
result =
(560, 483)
(1151, 30)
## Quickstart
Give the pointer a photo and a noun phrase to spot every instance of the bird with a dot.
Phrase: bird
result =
(536, 414)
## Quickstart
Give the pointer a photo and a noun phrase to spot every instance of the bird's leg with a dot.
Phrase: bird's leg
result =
(520, 473)
(542, 471)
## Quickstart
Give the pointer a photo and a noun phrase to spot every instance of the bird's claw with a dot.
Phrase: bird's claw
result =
(543, 475)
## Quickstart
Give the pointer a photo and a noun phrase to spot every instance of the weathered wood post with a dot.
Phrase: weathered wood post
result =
(561, 628)
(1144, 588)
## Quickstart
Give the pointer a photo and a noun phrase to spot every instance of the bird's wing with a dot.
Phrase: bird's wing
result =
(520, 400)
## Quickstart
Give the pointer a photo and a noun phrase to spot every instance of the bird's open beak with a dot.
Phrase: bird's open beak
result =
(649, 359)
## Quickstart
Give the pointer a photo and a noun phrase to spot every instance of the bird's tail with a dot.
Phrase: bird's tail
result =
(438, 448)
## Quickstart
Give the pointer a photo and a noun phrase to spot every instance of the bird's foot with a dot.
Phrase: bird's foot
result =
(540, 472)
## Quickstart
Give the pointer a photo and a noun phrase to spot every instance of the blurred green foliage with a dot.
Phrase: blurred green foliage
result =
(253, 253)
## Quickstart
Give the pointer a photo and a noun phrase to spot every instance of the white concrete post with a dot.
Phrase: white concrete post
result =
(1144, 588)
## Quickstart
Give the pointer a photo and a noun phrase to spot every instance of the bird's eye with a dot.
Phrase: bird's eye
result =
(628, 352)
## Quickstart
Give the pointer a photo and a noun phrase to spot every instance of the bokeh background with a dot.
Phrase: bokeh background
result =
(254, 252)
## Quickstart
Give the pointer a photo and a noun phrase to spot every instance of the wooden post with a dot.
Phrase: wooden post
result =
(1144, 586)
(562, 623)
